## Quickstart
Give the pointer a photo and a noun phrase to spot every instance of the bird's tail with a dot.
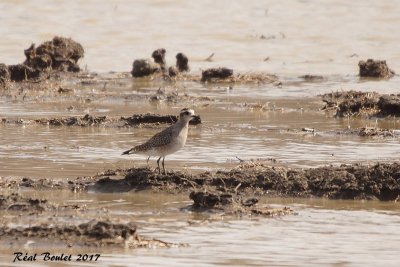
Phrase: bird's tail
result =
(128, 151)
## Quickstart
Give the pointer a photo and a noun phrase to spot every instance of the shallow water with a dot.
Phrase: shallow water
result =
(301, 37)
(322, 233)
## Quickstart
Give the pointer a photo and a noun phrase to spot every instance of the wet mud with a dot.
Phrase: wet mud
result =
(375, 69)
(15, 202)
(312, 78)
(143, 68)
(94, 233)
(356, 181)
(216, 73)
(373, 132)
(89, 120)
(367, 104)
(233, 204)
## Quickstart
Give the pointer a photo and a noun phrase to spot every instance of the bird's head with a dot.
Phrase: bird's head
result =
(186, 114)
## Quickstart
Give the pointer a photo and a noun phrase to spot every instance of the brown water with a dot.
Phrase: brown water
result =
(318, 37)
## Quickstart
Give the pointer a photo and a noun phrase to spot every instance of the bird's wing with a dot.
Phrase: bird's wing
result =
(162, 138)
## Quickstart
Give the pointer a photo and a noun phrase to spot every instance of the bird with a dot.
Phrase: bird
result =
(166, 142)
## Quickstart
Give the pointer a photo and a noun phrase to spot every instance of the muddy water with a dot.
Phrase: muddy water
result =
(329, 233)
(299, 37)
(230, 130)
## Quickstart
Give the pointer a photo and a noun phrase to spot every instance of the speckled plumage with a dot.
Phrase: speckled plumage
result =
(168, 141)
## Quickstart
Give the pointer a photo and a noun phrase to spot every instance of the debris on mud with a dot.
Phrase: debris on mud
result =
(89, 120)
(381, 181)
(182, 62)
(144, 67)
(355, 103)
(375, 69)
(233, 204)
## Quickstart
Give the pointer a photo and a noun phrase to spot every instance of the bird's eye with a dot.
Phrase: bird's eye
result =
(187, 113)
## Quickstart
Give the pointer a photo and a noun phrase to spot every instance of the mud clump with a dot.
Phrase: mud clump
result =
(143, 67)
(389, 104)
(351, 103)
(86, 120)
(216, 73)
(60, 54)
(375, 69)
(21, 72)
(233, 204)
(207, 200)
(225, 75)
(155, 118)
(172, 71)
(182, 62)
(159, 58)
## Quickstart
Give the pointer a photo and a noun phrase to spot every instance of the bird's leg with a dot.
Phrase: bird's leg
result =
(158, 165)
(163, 165)
(148, 162)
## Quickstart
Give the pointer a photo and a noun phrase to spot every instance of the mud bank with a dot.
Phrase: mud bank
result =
(233, 204)
(89, 120)
(355, 103)
(180, 72)
(57, 55)
(379, 181)
(95, 233)
(373, 132)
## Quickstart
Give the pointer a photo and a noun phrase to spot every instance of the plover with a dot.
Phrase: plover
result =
(167, 141)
